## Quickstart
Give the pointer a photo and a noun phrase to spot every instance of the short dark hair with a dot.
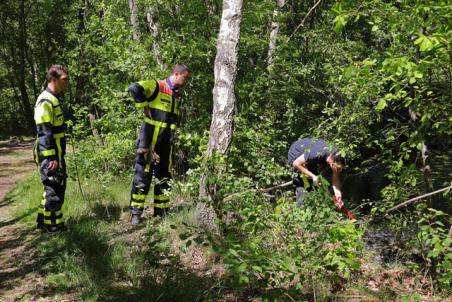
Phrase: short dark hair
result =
(180, 68)
(338, 159)
(55, 72)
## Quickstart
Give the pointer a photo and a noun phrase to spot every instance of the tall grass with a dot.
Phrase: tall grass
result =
(101, 257)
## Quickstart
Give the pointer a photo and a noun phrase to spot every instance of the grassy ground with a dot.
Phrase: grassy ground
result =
(103, 258)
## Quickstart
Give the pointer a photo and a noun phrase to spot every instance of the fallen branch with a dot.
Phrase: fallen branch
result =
(417, 198)
(262, 190)
(266, 190)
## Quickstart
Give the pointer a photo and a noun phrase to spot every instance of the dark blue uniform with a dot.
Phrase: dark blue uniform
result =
(315, 154)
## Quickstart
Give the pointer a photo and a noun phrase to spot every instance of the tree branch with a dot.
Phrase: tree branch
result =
(417, 198)
(304, 20)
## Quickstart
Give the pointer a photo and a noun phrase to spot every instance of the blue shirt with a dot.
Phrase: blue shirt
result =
(315, 152)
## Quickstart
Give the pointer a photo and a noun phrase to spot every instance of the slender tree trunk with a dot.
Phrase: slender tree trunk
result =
(212, 10)
(95, 131)
(274, 29)
(425, 156)
(21, 76)
(154, 30)
(80, 79)
(414, 118)
(34, 74)
(225, 70)
(133, 7)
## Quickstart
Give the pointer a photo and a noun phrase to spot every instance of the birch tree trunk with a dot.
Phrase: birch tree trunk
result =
(133, 7)
(225, 70)
(274, 29)
(154, 30)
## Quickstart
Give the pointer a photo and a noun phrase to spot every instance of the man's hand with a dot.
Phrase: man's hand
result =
(339, 202)
(316, 180)
(155, 158)
(147, 112)
(53, 165)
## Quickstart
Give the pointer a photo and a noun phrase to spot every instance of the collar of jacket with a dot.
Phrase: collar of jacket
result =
(174, 89)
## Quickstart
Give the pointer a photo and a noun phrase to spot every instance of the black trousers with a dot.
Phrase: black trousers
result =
(159, 140)
(50, 213)
(302, 186)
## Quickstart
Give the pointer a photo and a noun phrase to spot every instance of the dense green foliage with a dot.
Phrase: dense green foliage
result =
(372, 77)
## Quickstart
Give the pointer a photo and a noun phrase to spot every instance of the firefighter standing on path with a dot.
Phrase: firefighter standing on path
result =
(49, 150)
(160, 101)
(311, 157)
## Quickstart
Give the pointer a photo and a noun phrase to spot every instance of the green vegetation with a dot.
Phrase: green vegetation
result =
(372, 77)
(269, 250)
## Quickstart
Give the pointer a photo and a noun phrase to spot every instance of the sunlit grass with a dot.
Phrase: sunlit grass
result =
(101, 256)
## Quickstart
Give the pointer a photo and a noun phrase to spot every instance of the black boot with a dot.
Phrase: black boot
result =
(136, 219)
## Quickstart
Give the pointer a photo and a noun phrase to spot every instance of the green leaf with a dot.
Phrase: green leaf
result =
(242, 267)
(339, 23)
(424, 43)
(244, 279)
(381, 104)
(257, 268)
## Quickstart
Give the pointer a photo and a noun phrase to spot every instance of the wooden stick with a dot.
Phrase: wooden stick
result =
(266, 190)
(417, 198)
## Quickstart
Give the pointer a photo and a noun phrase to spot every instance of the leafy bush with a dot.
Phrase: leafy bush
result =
(280, 245)
(433, 237)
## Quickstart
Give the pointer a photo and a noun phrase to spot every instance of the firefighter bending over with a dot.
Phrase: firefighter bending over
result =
(160, 101)
(310, 158)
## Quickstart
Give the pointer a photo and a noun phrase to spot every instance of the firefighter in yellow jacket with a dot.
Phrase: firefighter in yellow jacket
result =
(160, 101)
(49, 149)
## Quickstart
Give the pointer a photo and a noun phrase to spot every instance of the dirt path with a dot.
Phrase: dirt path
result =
(19, 280)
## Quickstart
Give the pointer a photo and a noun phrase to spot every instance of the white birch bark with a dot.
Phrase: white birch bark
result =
(274, 29)
(154, 31)
(133, 7)
(225, 70)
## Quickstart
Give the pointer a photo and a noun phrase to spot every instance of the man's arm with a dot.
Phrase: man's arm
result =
(144, 92)
(336, 180)
(44, 118)
(300, 165)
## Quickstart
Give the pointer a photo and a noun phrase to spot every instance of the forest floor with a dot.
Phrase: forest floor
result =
(93, 253)
(20, 279)
(24, 267)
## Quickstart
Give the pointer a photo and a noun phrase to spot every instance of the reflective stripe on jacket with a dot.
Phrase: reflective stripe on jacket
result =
(162, 101)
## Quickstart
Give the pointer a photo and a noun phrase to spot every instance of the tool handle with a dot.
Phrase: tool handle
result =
(345, 211)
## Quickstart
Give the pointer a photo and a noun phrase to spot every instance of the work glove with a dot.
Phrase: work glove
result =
(57, 177)
(52, 177)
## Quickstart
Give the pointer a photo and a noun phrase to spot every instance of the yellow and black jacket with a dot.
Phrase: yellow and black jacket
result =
(161, 99)
(50, 141)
